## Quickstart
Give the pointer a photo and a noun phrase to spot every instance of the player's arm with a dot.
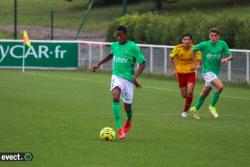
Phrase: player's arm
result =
(172, 56)
(227, 59)
(228, 53)
(196, 61)
(196, 55)
(141, 60)
(196, 51)
(137, 74)
(104, 60)
(172, 62)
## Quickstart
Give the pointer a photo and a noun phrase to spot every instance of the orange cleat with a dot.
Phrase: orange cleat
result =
(121, 134)
(127, 125)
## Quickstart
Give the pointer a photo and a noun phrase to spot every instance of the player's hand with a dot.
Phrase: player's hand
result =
(94, 67)
(174, 73)
(197, 67)
(224, 61)
(136, 83)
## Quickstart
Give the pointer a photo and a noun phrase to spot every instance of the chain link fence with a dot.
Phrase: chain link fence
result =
(45, 19)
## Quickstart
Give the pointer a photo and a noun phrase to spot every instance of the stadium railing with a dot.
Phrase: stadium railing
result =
(157, 61)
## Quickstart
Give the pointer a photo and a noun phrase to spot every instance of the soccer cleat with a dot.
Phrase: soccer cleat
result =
(213, 112)
(194, 113)
(121, 134)
(127, 125)
(184, 114)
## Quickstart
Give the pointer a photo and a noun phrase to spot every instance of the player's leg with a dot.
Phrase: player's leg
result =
(204, 93)
(208, 77)
(182, 84)
(189, 97)
(128, 110)
(182, 81)
(218, 89)
(183, 91)
(215, 96)
(128, 121)
(190, 79)
(184, 95)
(116, 93)
(127, 97)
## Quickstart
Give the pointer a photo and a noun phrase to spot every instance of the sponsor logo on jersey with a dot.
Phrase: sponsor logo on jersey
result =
(120, 59)
(213, 56)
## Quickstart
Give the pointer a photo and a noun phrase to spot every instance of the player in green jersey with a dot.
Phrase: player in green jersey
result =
(214, 53)
(124, 53)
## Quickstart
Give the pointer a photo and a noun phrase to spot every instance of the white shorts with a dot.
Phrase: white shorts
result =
(127, 88)
(209, 77)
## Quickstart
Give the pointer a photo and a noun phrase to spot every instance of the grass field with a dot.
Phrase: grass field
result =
(58, 115)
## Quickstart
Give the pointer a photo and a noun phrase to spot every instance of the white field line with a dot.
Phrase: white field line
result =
(147, 87)
(171, 90)
(164, 115)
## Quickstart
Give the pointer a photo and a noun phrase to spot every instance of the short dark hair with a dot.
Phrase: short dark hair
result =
(214, 30)
(122, 28)
(187, 35)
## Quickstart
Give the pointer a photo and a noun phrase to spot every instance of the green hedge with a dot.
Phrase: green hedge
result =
(157, 29)
(112, 2)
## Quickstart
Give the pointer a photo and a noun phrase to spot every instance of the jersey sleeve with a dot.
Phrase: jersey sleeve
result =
(111, 49)
(198, 55)
(138, 54)
(227, 50)
(174, 53)
(199, 47)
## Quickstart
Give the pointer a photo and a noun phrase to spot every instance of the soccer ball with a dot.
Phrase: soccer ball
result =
(107, 134)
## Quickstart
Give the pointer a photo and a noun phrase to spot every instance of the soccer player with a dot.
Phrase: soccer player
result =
(124, 54)
(183, 69)
(214, 53)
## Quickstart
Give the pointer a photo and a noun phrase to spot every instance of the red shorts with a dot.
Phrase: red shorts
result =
(184, 79)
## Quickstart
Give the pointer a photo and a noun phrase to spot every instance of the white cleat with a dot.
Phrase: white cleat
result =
(184, 115)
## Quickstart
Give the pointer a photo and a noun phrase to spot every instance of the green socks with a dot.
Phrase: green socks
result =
(199, 102)
(117, 114)
(129, 115)
(214, 99)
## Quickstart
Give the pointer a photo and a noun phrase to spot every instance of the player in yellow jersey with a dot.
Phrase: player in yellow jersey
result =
(183, 69)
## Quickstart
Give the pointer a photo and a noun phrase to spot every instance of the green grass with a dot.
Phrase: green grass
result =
(69, 14)
(58, 115)
(4, 35)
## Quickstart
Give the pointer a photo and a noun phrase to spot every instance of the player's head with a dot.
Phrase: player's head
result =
(214, 34)
(187, 40)
(121, 34)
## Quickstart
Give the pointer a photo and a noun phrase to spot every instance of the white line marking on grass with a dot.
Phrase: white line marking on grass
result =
(63, 77)
(172, 90)
(146, 87)
(163, 115)
(159, 88)
(179, 115)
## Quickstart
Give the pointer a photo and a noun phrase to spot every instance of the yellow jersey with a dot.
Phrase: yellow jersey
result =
(183, 58)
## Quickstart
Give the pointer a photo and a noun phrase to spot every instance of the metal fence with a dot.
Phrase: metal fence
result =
(157, 62)
(55, 19)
